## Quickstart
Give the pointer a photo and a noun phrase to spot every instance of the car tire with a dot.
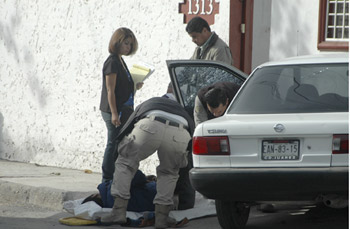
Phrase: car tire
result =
(231, 214)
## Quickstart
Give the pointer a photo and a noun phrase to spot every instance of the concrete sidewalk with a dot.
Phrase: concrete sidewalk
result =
(44, 186)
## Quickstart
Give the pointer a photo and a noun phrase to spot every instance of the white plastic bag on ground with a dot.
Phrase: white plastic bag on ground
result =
(87, 210)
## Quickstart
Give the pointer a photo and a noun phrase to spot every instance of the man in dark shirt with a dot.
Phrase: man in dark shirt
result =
(161, 125)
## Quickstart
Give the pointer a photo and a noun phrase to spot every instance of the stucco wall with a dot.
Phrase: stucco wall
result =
(284, 28)
(261, 32)
(51, 55)
(294, 28)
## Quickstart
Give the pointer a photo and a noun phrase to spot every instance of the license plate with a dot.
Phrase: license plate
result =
(280, 150)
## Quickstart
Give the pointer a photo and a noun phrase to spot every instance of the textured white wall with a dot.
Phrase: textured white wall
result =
(284, 28)
(294, 28)
(261, 32)
(51, 55)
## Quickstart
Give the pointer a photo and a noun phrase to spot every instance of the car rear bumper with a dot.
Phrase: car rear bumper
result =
(269, 184)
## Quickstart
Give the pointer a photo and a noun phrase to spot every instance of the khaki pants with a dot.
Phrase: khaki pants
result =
(147, 137)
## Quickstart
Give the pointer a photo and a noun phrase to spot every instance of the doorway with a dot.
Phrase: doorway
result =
(241, 33)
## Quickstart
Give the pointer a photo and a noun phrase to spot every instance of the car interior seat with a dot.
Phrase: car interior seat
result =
(335, 101)
(302, 93)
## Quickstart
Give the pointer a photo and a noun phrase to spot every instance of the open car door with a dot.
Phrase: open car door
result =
(189, 76)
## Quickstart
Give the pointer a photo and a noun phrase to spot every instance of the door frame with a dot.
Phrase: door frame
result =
(241, 12)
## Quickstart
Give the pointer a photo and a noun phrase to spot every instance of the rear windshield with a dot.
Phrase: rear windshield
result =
(294, 89)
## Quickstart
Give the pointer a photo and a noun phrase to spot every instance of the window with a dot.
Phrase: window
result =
(192, 78)
(333, 32)
(337, 20)
(306, 88)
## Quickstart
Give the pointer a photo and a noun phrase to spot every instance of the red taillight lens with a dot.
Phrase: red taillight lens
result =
(211, 146)
(340, 143)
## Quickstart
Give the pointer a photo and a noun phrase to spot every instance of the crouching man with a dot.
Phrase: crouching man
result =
(158, 124)
(212, 101)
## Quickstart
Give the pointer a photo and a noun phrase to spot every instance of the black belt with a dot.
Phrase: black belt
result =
(170, 123)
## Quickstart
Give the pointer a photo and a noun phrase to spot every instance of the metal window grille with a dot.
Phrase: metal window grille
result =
(337, 25)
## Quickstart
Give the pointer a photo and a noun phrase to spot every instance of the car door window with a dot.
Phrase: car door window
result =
(191, 79)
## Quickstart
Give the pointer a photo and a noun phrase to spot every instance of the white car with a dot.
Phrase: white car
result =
(283, 138)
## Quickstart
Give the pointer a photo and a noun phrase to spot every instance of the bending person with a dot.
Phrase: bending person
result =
(161, 125)
(212, 101)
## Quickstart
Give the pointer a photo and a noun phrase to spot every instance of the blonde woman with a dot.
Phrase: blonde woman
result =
(117, 97)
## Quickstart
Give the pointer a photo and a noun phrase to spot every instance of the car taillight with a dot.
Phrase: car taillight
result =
(211, 146)
(340, 143)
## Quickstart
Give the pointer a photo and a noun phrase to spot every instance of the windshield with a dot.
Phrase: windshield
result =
(294, 89)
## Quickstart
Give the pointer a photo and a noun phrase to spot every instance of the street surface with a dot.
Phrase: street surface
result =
(287, 217)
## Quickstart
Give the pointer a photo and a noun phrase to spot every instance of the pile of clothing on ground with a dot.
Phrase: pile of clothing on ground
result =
(140, 210)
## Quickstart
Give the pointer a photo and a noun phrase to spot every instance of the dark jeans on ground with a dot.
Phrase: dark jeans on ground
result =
(111, 152)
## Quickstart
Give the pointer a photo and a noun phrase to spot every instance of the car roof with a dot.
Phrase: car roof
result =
(311, 59)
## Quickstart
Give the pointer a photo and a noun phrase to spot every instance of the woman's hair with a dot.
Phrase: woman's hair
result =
(117, 39)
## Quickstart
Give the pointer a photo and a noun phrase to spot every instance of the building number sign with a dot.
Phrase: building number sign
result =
(200, 7)
(203, 8)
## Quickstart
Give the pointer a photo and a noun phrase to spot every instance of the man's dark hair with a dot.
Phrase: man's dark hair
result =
(196, 25)
(214, 97)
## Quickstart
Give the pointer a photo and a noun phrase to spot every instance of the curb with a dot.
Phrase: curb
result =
(39, 196)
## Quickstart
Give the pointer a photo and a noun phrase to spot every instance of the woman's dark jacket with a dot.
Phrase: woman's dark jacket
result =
(123, 88)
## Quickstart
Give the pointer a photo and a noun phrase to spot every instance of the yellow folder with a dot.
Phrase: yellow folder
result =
(140, 72)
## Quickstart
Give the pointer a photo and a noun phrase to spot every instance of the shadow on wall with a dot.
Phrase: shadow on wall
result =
(8, 35)
(4, 141)
(24, 61)
(8, 38)
(262, 28)
(296, 33)
(1, 136)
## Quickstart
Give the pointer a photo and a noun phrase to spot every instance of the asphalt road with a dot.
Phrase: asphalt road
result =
(286, 217)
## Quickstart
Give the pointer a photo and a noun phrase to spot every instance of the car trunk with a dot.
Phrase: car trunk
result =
(304, 140)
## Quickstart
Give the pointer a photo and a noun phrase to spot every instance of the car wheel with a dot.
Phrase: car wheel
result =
(231, 214)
